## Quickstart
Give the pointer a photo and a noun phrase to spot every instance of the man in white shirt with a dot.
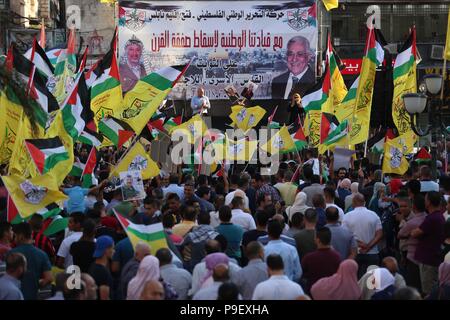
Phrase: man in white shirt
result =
(330, 195)
(239, 217)
(278, 286)
(173, 187)
(366, 226)
(426, 183)
(64, 258)
(242, 187)
(200, 103)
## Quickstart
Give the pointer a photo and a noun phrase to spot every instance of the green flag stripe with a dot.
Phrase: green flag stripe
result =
(106, 85)
(109, 133)
(53, 160)
(316, 105)
(159, 235)
(157, 81)
(404, 68)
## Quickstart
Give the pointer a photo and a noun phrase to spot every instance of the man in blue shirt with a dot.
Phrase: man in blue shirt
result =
(77, 195)
(342, 239)
(288, 253)
(233, 233)
(38, 274)
(16, 266)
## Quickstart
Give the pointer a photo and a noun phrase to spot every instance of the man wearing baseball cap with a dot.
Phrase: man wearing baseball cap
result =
(104, 250)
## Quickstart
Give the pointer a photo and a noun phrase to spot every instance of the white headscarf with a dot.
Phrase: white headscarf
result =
(299, 205)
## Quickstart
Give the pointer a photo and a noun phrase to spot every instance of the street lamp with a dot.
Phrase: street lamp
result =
(415, 104)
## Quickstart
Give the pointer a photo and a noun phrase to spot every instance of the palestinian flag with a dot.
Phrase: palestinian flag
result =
(89, 168)
(54, 225)
(299, 139)
(77, 169)
(405, 81)
(172, 123)
(73, 109)
(157, 123)
(376, 143)
(40, 59)
(423, 156)
(49, 211)
(65, 69)
(336, 134)
(46, 153)
(152, 234)
(53, 55)
(106, 90)
(328, 123)
(118, 131)
(273, 124)
(90, 137)
(36, 86)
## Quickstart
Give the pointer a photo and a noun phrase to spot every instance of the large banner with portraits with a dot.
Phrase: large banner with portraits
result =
(270, 45)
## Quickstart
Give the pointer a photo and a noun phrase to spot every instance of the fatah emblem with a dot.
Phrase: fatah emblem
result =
(192, 130)
(278, 142)
(138, 163)
(298, 19)
(33, 194)
(135, 19)
(51, 83)
(396, 158)
(251, 120)
(135, 108)
(241, 115)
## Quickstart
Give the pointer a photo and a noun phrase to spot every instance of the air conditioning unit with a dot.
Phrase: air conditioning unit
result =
(437, 52)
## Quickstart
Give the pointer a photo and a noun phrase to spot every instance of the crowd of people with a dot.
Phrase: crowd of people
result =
(294, 235)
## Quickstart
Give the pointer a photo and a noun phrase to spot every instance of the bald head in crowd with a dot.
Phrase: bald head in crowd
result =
(153, 290)
(358, 200)
(254, 250)
(141, 251)
(220, 273)
(391, 264)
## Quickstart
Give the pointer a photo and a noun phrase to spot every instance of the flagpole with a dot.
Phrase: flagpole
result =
(444, 75)
(365, 149)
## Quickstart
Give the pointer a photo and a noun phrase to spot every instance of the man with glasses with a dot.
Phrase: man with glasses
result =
(299, 75)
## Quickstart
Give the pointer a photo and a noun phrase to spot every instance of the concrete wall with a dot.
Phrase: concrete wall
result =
(97, 26)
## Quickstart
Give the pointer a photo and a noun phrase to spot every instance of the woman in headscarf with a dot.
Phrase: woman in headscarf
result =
(299, 205)
(344, 189)
(377, 204)
(442, 290)
(348, 199)
(384, 284)
(211, 261)
(148, 270)
(343, 285)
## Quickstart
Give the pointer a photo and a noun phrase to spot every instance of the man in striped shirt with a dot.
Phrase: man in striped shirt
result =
(40, 240)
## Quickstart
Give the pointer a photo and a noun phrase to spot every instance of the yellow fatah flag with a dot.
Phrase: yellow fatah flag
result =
(137, 159)
(246, 118)
(394, 160)
(192, 129)
(330, 4)
(10, 115)
(281, 141)
(312, 127)
(241, 150)
(32, 195)
(447, 41)
(21, 162)
(147, 95)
